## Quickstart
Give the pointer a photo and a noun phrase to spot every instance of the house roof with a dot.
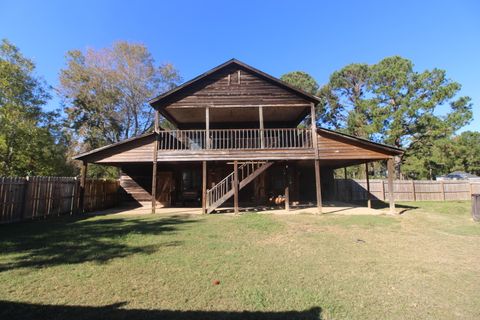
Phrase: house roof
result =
(81, 156)
(234, 62)
(389, 149)
(386, 147)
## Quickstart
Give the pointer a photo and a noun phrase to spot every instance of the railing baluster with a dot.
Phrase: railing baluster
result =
(234, 139)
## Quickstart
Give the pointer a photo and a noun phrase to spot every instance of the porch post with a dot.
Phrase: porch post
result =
(314, 129)
(235, 186)
(318, 187)
(154, 163)
(207, 127)
(287, 189)
(369, 199)
(83, 181)
(262, 128)
(391, 199)
(204, 187)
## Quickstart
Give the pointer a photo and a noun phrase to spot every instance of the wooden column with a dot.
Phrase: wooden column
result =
(83, 181)
(314, 129)
(318, 186)
(204, 187)
(262, 128)
(154, 163)
(390, 173)
(207, 127)
(235, 186)
(345, 173)
(287, 189)
(369, 198)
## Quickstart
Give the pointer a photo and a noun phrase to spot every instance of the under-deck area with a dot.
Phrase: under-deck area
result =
(179, 184)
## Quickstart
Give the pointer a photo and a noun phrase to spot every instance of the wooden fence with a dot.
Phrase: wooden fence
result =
(39, 197)
(406, 190)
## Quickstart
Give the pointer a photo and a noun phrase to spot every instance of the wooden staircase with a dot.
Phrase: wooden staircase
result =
(223, 190)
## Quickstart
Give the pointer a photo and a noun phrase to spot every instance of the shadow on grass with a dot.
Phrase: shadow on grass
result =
(17, 310)
(379, 204)
(71, 240)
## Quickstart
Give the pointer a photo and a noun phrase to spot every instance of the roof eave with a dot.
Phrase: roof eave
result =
(82, 156)
(395, 150)
(304, 94)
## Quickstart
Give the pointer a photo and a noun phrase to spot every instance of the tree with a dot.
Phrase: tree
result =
(390, 102)
(106, 92)
(408, 101)
(301, 80)
(467, 152)
(442, 156)
(345, 102)
(30, 139)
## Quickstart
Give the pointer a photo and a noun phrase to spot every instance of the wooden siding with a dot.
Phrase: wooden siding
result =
(223, 89)
(334, 150)
(332, 147)
(228, 155)
(135, 189)
(140, 150)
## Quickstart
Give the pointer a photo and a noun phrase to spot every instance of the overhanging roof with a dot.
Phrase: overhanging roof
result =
(232, 62)
(84, 155)
(388, 148)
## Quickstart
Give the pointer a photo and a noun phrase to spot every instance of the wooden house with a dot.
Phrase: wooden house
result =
(237, 141)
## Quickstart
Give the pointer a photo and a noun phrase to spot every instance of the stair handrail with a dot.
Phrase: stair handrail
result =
(226, 184)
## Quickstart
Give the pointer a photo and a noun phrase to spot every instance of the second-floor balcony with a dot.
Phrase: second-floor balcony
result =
(236, 139)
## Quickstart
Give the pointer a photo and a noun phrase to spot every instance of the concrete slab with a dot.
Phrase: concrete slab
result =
(338, 208)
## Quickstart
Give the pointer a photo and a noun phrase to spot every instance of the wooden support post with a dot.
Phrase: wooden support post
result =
(262, 128)
(207, 127)
(391, 173)
(314, 129)
(369, 198)
(204, 187)
(345, 173)
(154, 163)
(318, 187)
(83, 182)
(235, 186)
(287, 188)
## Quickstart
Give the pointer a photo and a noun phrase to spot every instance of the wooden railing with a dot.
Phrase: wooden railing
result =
(232, 139)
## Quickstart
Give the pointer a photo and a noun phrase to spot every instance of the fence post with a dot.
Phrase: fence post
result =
(413, 191)
(83, 180)
(383, 189)
(24, 198)
(443, 189)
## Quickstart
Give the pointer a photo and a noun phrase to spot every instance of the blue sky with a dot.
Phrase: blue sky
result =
(275, 36)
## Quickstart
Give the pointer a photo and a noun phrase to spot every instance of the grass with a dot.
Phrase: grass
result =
(421, 265)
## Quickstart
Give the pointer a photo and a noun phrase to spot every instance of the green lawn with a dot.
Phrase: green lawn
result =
(424, 264)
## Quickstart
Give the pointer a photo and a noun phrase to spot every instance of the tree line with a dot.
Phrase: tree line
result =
(103, 98)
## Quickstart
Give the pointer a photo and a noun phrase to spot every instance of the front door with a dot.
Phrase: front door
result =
(165, 188)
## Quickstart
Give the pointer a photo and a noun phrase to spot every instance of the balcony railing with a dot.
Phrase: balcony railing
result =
(236, 139)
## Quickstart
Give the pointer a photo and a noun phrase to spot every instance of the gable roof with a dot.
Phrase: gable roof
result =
(234, 62)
